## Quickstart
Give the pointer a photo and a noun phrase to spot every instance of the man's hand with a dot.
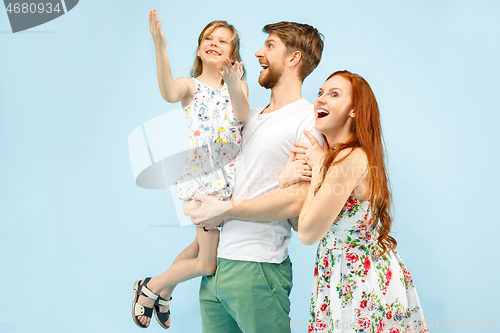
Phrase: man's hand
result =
(210, 213)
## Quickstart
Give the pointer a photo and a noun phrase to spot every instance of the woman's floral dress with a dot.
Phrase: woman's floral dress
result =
(355, 291)
(214, 144)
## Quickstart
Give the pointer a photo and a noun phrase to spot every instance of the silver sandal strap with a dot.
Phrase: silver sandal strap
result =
(148, 293)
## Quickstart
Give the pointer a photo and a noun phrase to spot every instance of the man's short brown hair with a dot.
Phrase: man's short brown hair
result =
(301, 37)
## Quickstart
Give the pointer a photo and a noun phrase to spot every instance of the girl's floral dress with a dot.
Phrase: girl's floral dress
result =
(214, 144)
(355, 291)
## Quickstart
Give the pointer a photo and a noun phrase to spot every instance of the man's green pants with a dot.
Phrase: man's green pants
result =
(246, 296)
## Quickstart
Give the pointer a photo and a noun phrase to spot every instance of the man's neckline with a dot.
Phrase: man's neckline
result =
(284, 106)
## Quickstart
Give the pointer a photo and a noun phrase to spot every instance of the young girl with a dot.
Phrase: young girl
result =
(215, 103)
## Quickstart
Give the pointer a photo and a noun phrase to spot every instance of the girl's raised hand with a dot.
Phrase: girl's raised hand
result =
(155, 28)
(295, 171)
(231, 73)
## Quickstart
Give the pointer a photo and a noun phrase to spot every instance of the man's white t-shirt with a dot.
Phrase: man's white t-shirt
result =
(267, 140)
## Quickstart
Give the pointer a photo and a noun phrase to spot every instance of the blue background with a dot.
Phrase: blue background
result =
(76, 232)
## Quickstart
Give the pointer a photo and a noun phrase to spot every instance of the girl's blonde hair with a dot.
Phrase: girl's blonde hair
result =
(235, 43)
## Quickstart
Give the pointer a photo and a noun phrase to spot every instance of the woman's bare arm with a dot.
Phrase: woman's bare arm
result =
(321, 210)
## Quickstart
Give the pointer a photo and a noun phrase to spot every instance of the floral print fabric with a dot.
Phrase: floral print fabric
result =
(356, 291)
(214, 145)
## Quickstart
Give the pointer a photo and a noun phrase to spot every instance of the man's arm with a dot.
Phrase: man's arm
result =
(277, 205)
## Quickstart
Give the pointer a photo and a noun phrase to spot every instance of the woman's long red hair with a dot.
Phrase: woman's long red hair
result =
(367, 135)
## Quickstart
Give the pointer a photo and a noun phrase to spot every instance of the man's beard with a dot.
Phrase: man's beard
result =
(272, 78)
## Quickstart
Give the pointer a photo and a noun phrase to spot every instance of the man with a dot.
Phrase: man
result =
(250, 289)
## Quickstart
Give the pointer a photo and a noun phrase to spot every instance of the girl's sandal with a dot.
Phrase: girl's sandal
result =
(138, 309)
(162, 317)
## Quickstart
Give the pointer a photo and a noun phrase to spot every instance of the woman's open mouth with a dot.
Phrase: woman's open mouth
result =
(322, 113)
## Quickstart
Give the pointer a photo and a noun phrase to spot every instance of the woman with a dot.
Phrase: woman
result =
(360, 282)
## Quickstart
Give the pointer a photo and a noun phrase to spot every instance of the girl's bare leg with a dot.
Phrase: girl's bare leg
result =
(185, 269)
(189, 252)
(182, 270)
(198, 259)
